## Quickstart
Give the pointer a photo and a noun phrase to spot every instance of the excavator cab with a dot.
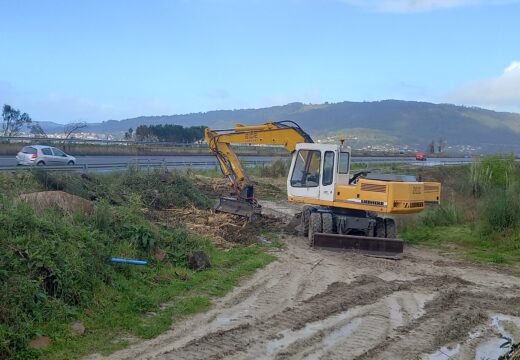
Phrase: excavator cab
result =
(341, 210)
(316, 169)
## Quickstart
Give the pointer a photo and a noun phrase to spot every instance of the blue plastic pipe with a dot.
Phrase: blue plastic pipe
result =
(129, 261)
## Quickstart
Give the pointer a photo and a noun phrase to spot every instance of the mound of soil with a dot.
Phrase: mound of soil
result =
(44, 200)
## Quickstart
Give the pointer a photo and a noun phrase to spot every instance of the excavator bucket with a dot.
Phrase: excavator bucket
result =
(373, 246)
(239, 207)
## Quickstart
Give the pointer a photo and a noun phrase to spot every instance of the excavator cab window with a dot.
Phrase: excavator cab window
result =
(306, 171)
(344, 162)
(328, 168)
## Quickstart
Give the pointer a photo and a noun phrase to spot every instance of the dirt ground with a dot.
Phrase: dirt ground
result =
(319, 304)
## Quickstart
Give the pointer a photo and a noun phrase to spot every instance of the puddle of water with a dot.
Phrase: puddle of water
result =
(443, 353)
(491, 349)
(421, 300)
(222, 320)
(332, 338)
(347, 322)
(347, 330)
(238, 312)
(474, 334)
(290, 336)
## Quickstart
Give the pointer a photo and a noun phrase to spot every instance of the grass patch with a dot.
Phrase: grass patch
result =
(273, 239)
(469, 242)
(161, 293)
(442, 215)
(55, 266)
(500, 210)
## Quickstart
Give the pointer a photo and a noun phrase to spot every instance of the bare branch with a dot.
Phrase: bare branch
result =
(37, 130)
(71, 128)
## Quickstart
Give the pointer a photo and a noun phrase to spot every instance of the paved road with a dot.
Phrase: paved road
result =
(11, 161)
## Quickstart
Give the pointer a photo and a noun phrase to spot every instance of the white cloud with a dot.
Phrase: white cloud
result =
(406, 6)
(501, 92)
(515, 66)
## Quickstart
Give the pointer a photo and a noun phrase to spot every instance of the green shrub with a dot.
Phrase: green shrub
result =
(500, 210)
(279, 168)
(141, 235)
(493, 172)
(102, 217)
(181, 244)
(442, 215)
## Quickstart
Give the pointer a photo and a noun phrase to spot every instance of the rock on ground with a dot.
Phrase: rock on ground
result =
(77, 328)
(41, 342)
(198, 261)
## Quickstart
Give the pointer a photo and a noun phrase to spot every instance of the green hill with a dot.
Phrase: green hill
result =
(405, 122)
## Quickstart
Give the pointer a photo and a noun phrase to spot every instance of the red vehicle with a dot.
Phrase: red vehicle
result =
(420, 156)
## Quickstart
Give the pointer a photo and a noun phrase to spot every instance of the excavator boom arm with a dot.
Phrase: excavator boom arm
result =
(285, 133)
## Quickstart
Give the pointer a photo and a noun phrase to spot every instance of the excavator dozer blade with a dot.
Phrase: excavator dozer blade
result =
(373, 246)
(236, 206)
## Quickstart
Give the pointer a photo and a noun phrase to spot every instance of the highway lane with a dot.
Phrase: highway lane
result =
(80, 160)
(11, 161)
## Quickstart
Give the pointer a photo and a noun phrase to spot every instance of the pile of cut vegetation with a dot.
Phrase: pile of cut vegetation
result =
(225, 230)
(56, 269)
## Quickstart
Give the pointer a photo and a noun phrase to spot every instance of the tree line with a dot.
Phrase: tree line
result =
(167, 132)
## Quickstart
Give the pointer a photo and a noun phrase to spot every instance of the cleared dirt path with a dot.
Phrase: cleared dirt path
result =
(318, 304)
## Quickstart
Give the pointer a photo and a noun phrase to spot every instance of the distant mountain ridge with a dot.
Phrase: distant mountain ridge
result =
(410, 122)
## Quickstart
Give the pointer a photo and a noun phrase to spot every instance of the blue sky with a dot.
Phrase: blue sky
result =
(92, 60)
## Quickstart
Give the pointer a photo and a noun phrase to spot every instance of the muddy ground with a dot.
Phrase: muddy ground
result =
(319, 304)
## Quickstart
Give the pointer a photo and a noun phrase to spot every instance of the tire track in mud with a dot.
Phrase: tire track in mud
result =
(332, 305)
(354, 330)
(449, 318)
(336, 299)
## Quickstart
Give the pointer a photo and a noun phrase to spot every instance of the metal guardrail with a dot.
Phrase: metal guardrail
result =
(151, 164)
(98, 141)
(121, 166)
(410, 160)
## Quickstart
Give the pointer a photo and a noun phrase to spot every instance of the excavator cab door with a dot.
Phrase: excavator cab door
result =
(343, 176)
(305, 173)
(328, 173)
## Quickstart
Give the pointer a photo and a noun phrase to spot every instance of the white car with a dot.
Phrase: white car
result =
(43, 155)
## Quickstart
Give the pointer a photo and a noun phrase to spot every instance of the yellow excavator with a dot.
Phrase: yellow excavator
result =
(340, 208)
